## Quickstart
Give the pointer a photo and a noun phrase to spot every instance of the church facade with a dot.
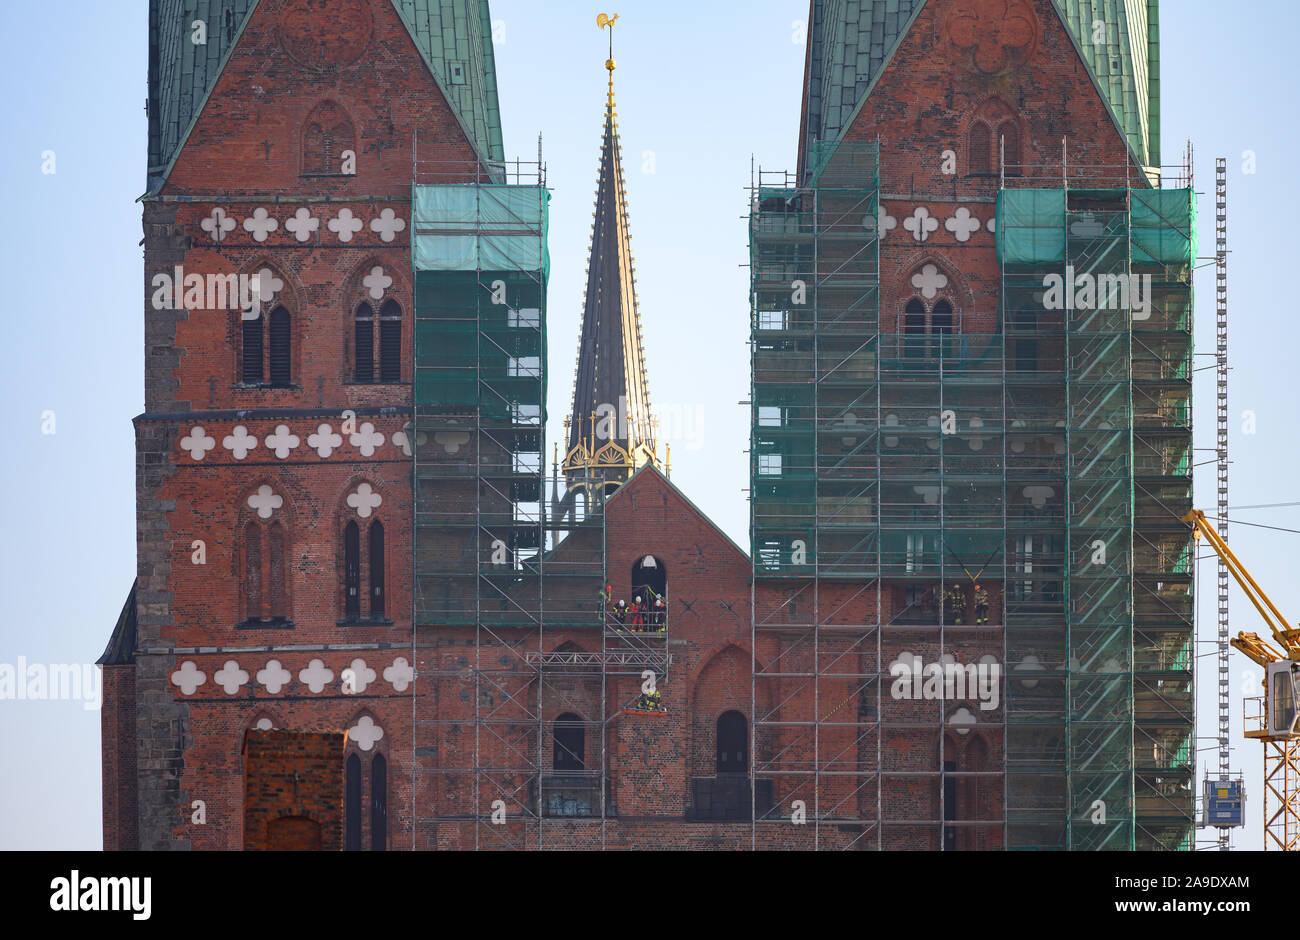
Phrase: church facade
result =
(368, 615)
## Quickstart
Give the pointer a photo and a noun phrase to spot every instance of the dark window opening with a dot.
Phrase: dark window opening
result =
(949, 806)
(364, 368)
(390, 343)
(378, 804)
(280, 346)
(733, 743)
(251, 372)
(352, 805)
(376, 570)
(941, 328)
(649, 579)
(914, 329)
(569, 752)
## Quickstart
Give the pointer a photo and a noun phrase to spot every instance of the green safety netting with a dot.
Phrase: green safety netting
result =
(1162, 226)
(477, 227)
(1031, 226)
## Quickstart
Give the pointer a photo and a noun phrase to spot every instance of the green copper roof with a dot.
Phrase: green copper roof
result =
(458, 33)
(853, 40)
(454, 36)
(1126, 64)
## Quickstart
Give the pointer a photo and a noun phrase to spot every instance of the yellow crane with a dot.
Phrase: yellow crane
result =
(1272, 720)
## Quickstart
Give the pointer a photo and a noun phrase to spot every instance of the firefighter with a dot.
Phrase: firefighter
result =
(638, 614)
(660, 615)
(648, 702)
(955, 605)
(620, 614)
(981, 605)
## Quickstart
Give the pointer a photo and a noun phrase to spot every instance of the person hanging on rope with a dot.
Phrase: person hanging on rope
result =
(981, 605)
(954, 605)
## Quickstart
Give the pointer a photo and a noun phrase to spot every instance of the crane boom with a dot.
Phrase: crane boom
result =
(1249, 643)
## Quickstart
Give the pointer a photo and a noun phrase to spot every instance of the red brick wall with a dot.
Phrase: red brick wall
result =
(293, 784)
(117, 741)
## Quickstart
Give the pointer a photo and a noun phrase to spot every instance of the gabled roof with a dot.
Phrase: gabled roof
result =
(121, 642)
(453, 36)
(851, 42)
(651, 470)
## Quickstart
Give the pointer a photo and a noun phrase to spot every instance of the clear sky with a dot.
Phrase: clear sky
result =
(703, 90)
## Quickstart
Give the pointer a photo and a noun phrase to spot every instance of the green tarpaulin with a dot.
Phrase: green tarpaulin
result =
(1031, 226)
(476, 227)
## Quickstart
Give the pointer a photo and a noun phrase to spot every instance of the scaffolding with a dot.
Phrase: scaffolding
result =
(815, 485)
(520, 668)
(1121, 251)
(1007, 498)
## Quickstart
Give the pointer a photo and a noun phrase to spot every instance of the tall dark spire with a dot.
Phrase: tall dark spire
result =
(610, 433)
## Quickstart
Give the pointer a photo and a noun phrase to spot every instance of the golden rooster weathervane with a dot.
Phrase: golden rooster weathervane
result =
(604, 20)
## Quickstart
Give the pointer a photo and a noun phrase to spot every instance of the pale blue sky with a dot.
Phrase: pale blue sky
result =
(702, 89)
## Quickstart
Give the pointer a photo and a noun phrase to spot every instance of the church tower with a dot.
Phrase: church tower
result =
(609, 432)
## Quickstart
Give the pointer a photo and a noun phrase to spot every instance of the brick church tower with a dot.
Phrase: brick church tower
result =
(273, 485)
(367, 616)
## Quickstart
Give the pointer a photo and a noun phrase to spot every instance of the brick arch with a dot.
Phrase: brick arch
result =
(327, 131)
(380, 746)
(994, 117)
(957, 291)
(292, 292)
(296, 832)
(720, 684)
(356, 291)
